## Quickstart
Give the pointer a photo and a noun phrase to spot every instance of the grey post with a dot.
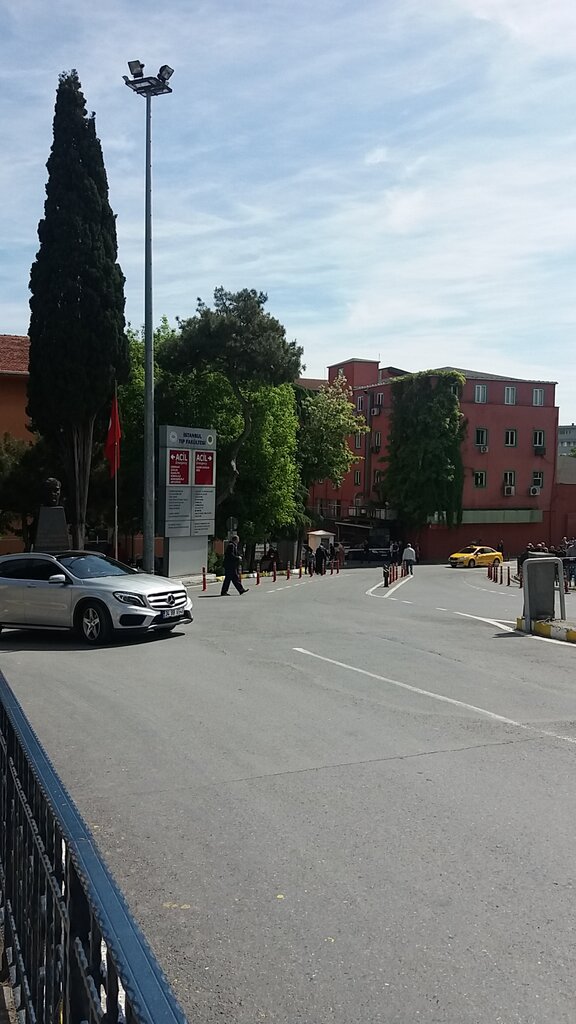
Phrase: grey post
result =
(152, 85)
(531, 597)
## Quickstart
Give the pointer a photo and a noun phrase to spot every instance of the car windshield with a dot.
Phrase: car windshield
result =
(469, 549)
(90, 567)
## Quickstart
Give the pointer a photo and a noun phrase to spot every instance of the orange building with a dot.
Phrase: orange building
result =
(13, 383)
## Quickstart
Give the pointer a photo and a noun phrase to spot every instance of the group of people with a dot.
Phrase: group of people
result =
(316, 560)
(566, 549)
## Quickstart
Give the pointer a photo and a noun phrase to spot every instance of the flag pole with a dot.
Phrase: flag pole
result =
(116, 482)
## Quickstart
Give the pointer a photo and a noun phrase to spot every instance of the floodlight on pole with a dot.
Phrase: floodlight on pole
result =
(153, 85)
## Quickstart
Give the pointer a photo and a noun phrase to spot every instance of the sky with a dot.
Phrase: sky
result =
(399, 176)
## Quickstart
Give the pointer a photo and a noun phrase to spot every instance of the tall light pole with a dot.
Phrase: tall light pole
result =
(152, 85)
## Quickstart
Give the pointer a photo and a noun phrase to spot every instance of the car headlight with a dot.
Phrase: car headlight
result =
(126, 598)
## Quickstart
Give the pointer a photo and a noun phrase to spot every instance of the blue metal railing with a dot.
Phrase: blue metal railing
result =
(74, 952)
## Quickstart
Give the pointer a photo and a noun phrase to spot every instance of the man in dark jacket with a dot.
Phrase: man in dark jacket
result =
(321, 555)
(232, 563)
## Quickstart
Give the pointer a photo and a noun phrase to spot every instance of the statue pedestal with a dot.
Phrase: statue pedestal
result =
(52, 530)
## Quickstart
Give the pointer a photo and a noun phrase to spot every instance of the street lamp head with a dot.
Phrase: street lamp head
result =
(136, 68)
(165, 73)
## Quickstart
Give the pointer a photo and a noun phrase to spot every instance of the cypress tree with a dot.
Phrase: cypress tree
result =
(78, 345)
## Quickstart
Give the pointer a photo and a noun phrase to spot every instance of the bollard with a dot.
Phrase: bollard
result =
(501, 574)
(257, 575)
(332, 567)
(204, 581)
(300, 572)
(337, 566)
(508, 580)
(386, 575)
(287, 570)
(489, 573)
(274, 572)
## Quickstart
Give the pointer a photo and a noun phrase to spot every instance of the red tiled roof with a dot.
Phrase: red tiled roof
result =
(311, 383)
(14, 353)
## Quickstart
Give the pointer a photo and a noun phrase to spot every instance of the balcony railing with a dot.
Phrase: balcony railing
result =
(75, 953)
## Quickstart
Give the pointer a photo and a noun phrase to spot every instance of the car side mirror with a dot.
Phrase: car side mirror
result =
(59, 577)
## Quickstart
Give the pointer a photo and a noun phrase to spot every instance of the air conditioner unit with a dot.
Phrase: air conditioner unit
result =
(484, 449)
(509, 490)
(539, 449)
(534, 491)
(375, 410)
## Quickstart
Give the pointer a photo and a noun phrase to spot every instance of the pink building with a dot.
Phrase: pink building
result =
(509, 457)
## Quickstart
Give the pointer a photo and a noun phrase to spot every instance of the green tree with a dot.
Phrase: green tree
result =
(266, 498)
(24, 467)
(247, 347)
(78, 345)
(424, 473)
(327, 420)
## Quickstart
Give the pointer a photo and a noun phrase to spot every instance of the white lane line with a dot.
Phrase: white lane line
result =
(437, 696)
(441, 609)
(503, 624)
(490, 622)
(407, 602)
(389, 590)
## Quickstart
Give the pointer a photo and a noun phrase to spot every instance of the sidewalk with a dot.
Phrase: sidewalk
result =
(557, 629)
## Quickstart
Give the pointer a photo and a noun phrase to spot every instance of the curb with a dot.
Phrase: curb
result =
(551, 630)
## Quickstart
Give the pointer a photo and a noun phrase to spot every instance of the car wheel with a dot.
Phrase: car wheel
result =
(496, 561)
(471, 563)
(93, 623)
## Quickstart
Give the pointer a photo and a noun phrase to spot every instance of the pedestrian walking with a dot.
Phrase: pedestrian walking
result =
(500, 548)
(409, 557)
(232, 564)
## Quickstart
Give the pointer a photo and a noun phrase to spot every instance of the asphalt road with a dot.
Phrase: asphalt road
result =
(330, 805)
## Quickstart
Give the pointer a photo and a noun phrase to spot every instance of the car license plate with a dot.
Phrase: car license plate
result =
(171, 613)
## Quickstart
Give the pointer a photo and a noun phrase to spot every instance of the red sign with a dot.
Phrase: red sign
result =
(204, 468)
(178, 466)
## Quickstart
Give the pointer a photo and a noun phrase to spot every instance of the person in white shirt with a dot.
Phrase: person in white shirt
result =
(409, 557)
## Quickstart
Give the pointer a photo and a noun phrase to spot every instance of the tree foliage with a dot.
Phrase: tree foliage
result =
(24, 467)
(424, 473)
(78, 345)
(246, 346)
(327, 420)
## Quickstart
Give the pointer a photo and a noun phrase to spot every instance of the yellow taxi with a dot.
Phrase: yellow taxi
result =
(474, 555)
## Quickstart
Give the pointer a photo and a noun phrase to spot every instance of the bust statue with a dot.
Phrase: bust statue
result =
(51, 492)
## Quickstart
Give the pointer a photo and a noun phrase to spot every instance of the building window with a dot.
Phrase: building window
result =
(510, 396)
(538, 478)
(509, 478)
(357, 478)
(377, 476)
(360, 403)
(455, 389)
(377, 439)
(358, 440)
(481, 437)
(480, 394)
(340, 371)
(479, 478)
(380, 398)
(538, 438)
(510, 438)
(537, 396)
(358, 500)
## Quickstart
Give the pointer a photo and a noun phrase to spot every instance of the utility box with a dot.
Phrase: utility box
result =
(541, 589)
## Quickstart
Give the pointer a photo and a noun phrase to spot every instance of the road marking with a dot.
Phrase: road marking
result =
(441, 609)
(390, 590)
(437, 696)
(490, 622)
(407, 602)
